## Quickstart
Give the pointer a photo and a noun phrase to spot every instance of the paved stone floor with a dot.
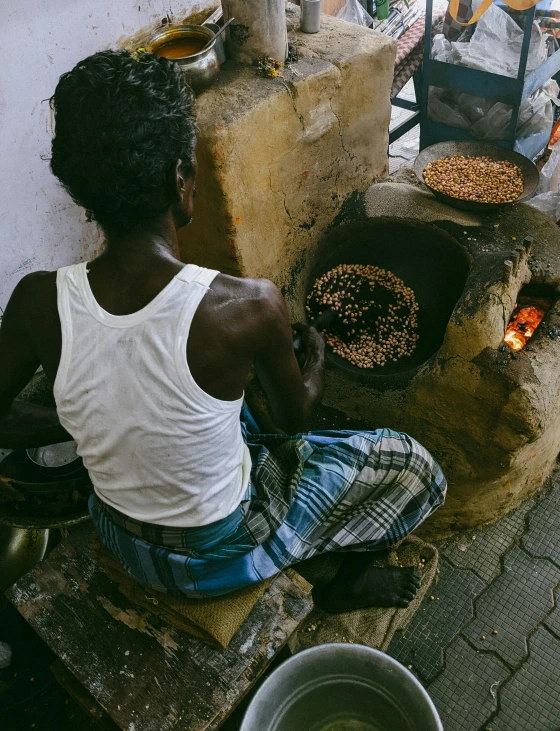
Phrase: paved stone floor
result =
(486, 640)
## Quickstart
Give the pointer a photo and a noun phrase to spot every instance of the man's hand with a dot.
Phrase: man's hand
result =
(29, 425)
(293, 386)
(311, 352)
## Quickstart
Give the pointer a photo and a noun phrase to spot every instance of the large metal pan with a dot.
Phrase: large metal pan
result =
(477, 149)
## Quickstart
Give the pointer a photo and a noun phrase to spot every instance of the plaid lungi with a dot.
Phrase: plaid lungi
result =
(308, 494)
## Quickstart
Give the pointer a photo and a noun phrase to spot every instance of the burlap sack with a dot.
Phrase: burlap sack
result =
(213, 620)
(372, 627)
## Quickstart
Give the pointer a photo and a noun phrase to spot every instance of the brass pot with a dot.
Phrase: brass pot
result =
(20, 550)
(201, 68)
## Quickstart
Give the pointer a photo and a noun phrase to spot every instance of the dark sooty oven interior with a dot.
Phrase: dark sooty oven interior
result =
(429, 261)
(542, 294)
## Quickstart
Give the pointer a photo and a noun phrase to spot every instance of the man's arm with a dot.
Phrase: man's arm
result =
(293, 389)
(22, 424)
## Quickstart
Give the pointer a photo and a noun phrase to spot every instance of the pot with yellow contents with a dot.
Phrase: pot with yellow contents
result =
(192, 48)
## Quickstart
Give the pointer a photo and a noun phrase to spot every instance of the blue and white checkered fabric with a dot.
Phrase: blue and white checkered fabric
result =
(308, 494)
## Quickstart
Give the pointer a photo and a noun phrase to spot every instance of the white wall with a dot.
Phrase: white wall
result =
(40, 227)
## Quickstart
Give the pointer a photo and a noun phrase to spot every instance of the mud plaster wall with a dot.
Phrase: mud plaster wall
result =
(279, 157)
(40, 227)
(491, 418)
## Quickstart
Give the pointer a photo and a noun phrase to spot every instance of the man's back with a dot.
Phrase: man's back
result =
(239, 322)
(124, 149)
(157, 447)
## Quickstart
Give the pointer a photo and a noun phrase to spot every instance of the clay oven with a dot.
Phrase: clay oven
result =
(491, 415)
(286, 168)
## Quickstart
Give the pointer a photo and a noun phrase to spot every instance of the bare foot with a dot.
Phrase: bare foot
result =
(359, 586)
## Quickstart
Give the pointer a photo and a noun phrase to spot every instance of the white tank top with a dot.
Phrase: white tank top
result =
(157, 447)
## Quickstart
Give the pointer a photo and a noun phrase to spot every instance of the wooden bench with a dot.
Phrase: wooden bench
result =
(130, 670)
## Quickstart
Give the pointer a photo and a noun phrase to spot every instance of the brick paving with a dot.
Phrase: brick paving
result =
(487, 646)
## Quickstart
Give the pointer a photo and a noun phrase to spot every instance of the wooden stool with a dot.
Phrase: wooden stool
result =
(130, 670)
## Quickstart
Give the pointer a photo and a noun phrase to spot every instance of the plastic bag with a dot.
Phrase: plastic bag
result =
(547, 198)
(488, 120)
(547, 203)
(495, 45)
(442, 107)
(353, 12)
(550, 174)
(442, 49)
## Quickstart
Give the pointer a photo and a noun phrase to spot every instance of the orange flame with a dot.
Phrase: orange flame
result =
(523, 324)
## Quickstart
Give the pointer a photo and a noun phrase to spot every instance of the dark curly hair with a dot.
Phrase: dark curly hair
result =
(121, 124)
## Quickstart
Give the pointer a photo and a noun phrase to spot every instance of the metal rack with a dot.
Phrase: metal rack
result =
(404, 127)
(512, 91)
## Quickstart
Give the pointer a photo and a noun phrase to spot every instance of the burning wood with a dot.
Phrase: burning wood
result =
(525, 320)
(377, 314)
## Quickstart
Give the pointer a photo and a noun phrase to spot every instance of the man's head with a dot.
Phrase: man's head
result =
(124, 139)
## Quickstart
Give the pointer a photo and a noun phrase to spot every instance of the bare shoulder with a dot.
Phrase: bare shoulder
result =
(43, 282)
(256, 305)
(34, 297)
(252, 292)
(253, 288)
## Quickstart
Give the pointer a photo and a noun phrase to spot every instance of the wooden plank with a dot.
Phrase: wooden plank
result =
(146, 675)
(75, 689)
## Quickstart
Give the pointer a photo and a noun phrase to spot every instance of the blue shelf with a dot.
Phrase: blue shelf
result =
(509, 90)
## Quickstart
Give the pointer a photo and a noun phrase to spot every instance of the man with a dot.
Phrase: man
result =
(149, 359)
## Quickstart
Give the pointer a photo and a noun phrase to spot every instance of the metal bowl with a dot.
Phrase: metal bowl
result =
(477, 149)
(56, 460)
(20, 550)
(31, 499)
(341, 686)
(199, 69)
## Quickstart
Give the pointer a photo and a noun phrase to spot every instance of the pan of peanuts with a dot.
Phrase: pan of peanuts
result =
(375, 315)
(476, 175)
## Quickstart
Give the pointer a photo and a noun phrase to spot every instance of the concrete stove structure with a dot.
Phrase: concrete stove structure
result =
(490, 416)
(285, 173)
(279, 157)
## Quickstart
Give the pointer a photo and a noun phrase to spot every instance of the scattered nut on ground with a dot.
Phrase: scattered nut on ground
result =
(478, 179)
(377, 314)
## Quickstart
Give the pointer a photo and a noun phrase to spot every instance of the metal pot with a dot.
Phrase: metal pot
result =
(219, 43)
(341, 686)
(31, 498)
(20, 550)
(56, 460)
(200, 69)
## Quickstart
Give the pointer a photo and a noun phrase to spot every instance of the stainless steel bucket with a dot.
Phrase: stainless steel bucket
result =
(341, 686)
